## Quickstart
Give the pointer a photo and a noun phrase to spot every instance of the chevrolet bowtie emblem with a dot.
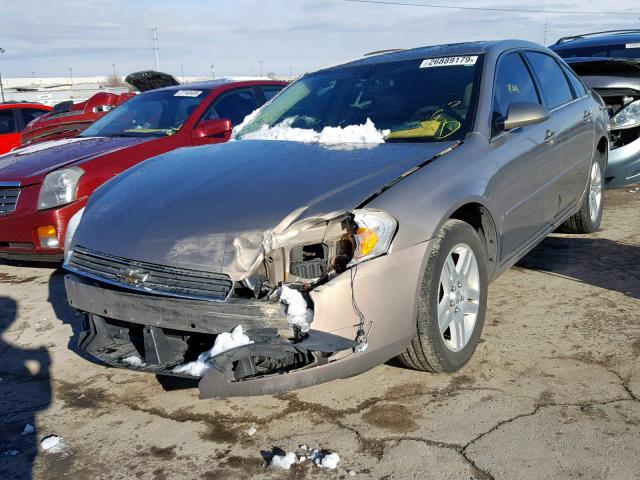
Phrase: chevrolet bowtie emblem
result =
(133, 276)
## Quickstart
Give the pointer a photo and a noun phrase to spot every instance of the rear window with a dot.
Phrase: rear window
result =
(622, 50)
(7, 121)
(554, 85)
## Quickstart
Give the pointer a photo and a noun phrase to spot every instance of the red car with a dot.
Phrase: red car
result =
(68, 119)
(44, 184)
(14, 117)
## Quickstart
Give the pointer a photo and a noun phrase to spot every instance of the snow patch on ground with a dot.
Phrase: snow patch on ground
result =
(224, 341)
(28, 429)
(325, 460)
(134, 361)
(364, 134)
(283, 461)
(51, 443)
(297, 312)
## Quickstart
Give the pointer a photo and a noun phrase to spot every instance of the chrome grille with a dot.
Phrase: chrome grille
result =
(149, 277)
(8, 199)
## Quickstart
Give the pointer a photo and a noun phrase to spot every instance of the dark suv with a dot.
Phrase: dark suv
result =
(609, 62)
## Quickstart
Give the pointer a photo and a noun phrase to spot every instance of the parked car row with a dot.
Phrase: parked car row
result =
(358, 215)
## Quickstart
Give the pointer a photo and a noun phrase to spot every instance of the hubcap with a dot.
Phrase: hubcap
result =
(595, 192)
(458, 297)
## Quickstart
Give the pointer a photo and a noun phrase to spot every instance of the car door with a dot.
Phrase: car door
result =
(570, 108)
(529, 161)
(234, 105)
(9, 135)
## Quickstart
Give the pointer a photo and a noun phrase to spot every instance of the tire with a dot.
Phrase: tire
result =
(588, 218)
(433, 351)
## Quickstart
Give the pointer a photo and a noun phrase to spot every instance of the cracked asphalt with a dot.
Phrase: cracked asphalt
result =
(552, 392)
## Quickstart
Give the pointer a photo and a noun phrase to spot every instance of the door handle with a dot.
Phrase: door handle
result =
(587, 116)
(550, 136)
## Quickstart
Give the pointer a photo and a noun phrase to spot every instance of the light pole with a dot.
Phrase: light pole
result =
(114, 70)
(71, 76)
(2, 50)
(260, 62)
(213, 77)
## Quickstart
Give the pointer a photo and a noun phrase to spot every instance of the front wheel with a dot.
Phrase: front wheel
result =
(588, 218)
(452, 302)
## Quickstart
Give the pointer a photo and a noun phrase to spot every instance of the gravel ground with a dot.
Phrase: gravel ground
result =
(552, 392)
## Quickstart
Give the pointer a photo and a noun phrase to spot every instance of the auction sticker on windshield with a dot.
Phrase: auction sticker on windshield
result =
(449, 61)
(187, 93)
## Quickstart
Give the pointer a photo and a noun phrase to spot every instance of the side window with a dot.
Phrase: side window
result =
(578, 87)
(30, 114)
(271, 91)
(233, 105)
(7, 121)
(513, 84)
(554, 85)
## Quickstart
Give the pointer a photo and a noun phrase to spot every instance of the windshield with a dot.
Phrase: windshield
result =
(156, 113)
(411, 100)
(624, 50)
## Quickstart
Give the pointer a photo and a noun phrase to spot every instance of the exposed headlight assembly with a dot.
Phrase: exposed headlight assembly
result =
(628, 117)
(373, 235)
(59, 187)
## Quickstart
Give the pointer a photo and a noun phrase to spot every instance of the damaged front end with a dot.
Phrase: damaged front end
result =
(171, 321)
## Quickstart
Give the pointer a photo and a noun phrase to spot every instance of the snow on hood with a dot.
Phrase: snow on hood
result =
(367, 133)
(220, 208)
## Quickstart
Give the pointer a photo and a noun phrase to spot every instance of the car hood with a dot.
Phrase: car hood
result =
(219, 208)
(607, 73)
(30, 164)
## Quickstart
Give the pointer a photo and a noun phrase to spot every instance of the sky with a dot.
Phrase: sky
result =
(45, 38)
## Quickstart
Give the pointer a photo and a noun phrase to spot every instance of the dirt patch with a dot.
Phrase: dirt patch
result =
(75, 396)
(635, 348)
(166, 453)
(252, 465)
(392, 417)
(13, 280)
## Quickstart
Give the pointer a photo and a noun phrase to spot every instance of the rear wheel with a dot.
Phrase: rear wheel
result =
(452, 302)
(588, 218)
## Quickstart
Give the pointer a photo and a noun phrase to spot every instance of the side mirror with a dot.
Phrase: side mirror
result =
(521, 114)
(218, 128)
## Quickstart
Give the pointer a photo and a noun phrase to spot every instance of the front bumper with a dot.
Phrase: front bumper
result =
(623, 166)
(18, 230)
(161, 330)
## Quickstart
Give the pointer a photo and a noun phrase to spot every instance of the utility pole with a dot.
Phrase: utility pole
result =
(546, 30)
(260, 62)
(154, 36)
(2, 50)
(213, 77)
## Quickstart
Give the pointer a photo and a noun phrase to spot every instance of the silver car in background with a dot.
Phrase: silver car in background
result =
(361, 215)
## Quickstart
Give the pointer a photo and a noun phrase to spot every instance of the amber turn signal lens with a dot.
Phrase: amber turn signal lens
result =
(367, 240)
(48, 237)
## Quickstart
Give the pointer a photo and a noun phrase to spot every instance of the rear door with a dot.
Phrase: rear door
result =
(568, 103)
(9, 135)
(529, 160)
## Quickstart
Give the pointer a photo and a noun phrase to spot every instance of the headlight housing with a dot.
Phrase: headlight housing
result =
(373, 235)
(59, 187)
(628, 117)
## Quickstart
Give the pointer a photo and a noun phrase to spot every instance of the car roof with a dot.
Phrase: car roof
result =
(597, 39)
(450, 49)
(222, 82)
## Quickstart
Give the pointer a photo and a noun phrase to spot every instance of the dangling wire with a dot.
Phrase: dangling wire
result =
(361, 337)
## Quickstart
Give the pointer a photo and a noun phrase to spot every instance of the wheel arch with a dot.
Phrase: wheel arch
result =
(480, 218)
